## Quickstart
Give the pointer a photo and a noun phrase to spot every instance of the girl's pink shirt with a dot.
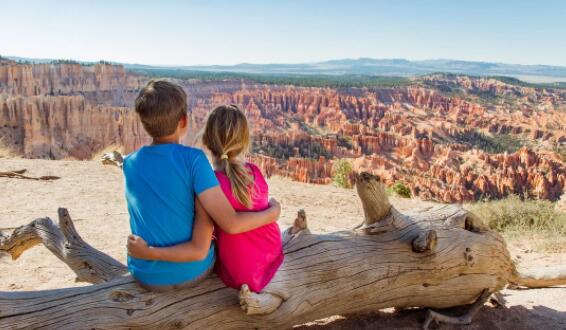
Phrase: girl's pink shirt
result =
(252, 257)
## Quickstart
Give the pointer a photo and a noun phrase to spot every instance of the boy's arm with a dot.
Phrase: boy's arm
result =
(216, 204)
(193, 250)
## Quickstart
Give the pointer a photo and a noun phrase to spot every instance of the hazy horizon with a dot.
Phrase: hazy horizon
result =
(32, 58)
(219, 32)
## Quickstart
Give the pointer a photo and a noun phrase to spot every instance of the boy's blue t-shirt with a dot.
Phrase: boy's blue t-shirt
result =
(162, 182)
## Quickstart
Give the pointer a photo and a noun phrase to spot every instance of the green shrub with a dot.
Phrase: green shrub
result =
(342, 169)
(307, 149)
(514, 214)
(400, 189)
(345, 141)
(308, 80)
(561, 152)
(64, 61)
(489, 143)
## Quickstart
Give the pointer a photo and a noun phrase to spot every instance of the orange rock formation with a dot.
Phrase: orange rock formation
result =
(447, 147)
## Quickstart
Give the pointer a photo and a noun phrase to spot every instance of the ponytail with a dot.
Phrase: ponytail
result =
(226, 135)
(241, 180)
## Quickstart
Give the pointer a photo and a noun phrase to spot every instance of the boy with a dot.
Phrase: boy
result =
(166, 183)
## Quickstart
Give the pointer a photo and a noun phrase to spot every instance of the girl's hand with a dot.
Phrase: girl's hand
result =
(138, 248)
(274, 204)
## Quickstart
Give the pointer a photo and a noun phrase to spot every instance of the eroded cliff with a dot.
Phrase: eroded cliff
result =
(448, 138)
(67, 110)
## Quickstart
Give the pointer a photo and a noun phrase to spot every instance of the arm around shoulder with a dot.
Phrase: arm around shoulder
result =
(232, 222)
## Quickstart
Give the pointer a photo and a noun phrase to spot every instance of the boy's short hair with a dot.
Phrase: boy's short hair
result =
(160, 105)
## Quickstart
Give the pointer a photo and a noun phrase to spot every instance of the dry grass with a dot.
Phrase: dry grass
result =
(539, 242)
(561, 204)
(519, 218)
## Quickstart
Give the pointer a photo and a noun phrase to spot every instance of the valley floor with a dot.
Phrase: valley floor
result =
(94, 196)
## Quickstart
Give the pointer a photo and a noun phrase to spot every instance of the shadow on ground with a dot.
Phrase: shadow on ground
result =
(514, 317)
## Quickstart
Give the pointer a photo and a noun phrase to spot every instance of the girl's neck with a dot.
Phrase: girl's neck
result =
(216, 165)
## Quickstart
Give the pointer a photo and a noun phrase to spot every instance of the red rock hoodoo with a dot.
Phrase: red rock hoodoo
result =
(452, 147)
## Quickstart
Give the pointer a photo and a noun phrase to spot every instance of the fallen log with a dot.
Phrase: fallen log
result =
(436, 257)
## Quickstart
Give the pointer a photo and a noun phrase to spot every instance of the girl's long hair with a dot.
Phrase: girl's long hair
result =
(227, 136)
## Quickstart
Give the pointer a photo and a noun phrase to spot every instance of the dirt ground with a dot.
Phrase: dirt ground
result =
(94, 196)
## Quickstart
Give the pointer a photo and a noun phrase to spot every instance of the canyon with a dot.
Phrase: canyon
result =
(448, 138)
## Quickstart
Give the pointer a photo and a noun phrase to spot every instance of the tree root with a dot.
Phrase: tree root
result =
(540, 277)
(498, 300)
(467, 318)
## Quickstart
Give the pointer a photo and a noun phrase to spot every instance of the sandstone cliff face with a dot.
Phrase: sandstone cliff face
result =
(55, 127)
(68, 110)
(448, 147)
(51, 79)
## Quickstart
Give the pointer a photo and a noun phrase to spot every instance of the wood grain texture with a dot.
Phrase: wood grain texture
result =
(323, 275)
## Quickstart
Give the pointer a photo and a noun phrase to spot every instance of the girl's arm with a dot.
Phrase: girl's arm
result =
(193, 250)
(216, 204)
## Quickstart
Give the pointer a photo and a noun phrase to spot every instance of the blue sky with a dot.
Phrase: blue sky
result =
(276, 31)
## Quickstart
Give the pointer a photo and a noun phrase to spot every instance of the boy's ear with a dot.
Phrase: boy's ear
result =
(184, 121)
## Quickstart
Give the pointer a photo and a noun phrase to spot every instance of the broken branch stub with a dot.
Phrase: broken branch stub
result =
(374, 199)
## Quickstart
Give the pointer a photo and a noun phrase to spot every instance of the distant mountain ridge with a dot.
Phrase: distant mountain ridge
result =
(374, 67)
(395, 67)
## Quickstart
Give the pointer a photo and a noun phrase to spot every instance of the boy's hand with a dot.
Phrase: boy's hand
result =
(138, 248)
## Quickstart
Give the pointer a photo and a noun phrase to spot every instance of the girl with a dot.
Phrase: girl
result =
(252, 257)
(249, 259)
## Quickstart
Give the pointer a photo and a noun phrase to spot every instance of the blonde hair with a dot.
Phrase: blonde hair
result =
(227, 135)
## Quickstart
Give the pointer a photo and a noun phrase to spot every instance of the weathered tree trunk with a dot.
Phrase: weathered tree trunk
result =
(433, 257)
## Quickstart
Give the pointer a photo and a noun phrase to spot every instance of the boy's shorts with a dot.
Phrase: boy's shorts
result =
(180, 286)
